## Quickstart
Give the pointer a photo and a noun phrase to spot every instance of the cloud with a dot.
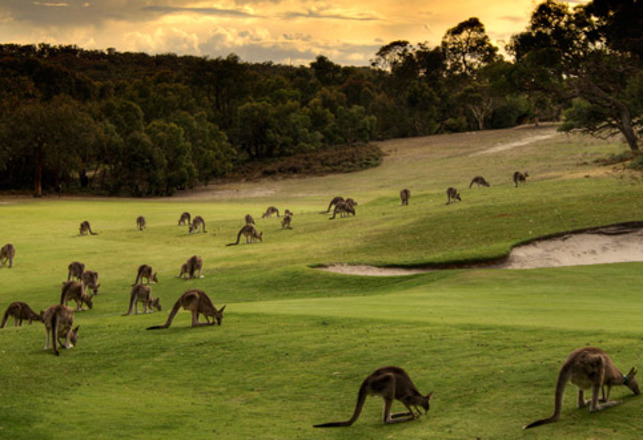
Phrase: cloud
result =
(328, 16)
(203, 11)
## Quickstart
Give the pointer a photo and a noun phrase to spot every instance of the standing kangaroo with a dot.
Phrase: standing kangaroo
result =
(390, 383)
(89, 278)
(335, 200)
(185, 219)
(85, 227)
(196, 223)
(344, 209)
(478, 180)
(586, 368)
(141, 293)
(75, 270)
(405, 196)
(251, 234)
(140, 222)
(20, 312)
(270, 211)
(285, 222)
(249, 220)
(7, 253)
(75, 290)
(452, 194)
(190, 267)
(146, 271)
(520, 177)
(58, 320)
(197, 302)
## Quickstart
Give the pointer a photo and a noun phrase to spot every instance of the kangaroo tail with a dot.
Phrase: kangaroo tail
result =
(563, 378)
(238, 238)
(63, 294)
(173, 312)
(92, 232)
(361, 398)
(132, 300)
(471, 184)
(5, 317)
(54, 329)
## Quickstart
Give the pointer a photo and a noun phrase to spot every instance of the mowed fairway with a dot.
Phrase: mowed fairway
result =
(296, 342)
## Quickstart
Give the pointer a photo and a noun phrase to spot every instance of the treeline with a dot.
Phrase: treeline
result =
(131, 123)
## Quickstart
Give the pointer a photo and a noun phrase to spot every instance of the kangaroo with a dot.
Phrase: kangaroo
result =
(89, 278)
(85, 227)
(335, 200)
(58, 320)
(185, 219)
(197, 302)
(190, 267)
(146, 271)
(270, 211)
(351, 201)
(390, 383)
(285, 222)
(405, 195)
(452, 194)
(520, 177)
(75, 290)
(141, 293)
(75, 270)
(185, 270)
(140, 222)
(344, 209)
(288, 212)
(249, 220)
(7, 253)
(196, 222)
(589, 367)
(251, 234)
(20, 312)
(479, 180)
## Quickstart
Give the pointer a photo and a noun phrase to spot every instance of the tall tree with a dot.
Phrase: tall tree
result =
(467, 47)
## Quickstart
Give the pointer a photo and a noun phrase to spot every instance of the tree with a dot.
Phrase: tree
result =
(467, 47)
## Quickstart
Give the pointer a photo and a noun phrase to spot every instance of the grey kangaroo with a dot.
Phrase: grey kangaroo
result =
(141, 293)
(75, 290)
(140, 222)
(251, 234)
(520, 177)
(190, 267)
(85, 227)
(146, 271)
(452, 194)
(75, 270)
(89, 278)
(270, 211)
(197, 302)
(249, 220)
(59, 320)
(7, 253)
(196, 223)
(478, 180)
(335, 200)
(20, 311)
(344, 209)
(405, 196)
(185, 219)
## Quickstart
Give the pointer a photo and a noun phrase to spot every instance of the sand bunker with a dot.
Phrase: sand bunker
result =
(613, 244)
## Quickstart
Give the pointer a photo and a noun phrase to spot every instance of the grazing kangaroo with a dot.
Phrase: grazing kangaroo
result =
(405, 196)
(251, 234)
(89, 278)
(285, 222)
(249, 220)
(75, 270)
(146, 271)
(58, 320)
(20, 312)
(75, 290)
(520, 177)
(478, 180)
(7, 253)
(197, 302)
(190, 267)
(333, 203)
(140, 222)
(141, 293)
(196, 222)
(586, 368)
(452, 194)
(185, 219)
(344, 208)
(85, 227)
(390, 383)
(270, 211)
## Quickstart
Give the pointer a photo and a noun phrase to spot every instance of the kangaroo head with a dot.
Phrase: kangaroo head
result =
(156, 303)
(630, 381)
(89, 301)
(74, 335)
(260, 237)
(155, 278)
(218, 315)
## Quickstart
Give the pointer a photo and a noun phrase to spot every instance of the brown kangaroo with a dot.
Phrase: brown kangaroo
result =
(335, 200)
(520, 177)
(288, 212)
(405, 196)
(251, 234)
(7, 253)
(89, 278)
(351, 202)
(390, 383)
(452, 194)
(270, 211)
(146, 271)
(85, 227)
(193, 264)
(196, 223)
(20, 312)
(478, 180)
(197, 302)
(75, 270)
(285, 222)
(75, 290)
(344, 209)
(58, 320)
(589, 367)
(185, 219)
(141, 293)
(249, 220)
(140, 222)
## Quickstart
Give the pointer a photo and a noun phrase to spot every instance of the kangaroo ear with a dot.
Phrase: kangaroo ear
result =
(76, 329)
(98, 285)
(632, 372)
(221, 309)
(428, 396)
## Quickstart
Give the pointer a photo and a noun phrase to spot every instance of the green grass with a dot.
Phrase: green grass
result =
(295, 342)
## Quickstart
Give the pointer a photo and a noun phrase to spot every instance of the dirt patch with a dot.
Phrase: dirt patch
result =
(612, 244)
(510, 145)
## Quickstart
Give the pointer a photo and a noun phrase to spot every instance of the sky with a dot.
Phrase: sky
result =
(348, 32)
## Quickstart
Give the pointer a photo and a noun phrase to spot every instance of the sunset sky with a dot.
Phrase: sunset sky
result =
(282, 31)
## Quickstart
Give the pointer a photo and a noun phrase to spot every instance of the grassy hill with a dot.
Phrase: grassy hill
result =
(296, 342)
